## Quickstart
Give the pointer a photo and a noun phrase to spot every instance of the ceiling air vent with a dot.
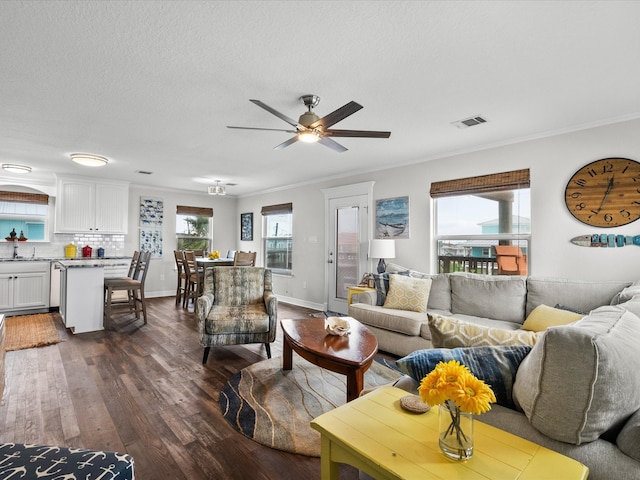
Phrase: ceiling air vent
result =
(144, 172)
(470, 122)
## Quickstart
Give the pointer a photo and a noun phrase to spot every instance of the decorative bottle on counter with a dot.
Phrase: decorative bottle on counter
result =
(100, 252)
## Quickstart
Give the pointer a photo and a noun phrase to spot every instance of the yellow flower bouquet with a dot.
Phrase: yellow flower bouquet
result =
(460, 395)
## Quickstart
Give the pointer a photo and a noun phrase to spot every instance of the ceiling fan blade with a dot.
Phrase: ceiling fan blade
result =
(291, 141)
(337, 115)
(356, 133)
(282, 116)
(332, 144)
(259, 128)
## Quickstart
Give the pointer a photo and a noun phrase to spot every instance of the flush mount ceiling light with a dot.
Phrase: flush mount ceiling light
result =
(89, 160)
(16, 168)
(217, 189)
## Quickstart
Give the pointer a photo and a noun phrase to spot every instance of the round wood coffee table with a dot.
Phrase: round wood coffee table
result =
(350, 355)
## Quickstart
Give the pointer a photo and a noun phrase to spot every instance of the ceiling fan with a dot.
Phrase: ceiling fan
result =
(311, 128)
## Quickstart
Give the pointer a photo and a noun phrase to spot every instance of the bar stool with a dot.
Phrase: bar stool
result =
(134, 286)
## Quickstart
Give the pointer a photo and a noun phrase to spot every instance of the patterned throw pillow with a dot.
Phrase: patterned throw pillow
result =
(543, 317)
(451, 333)
(407, 293)
(497, 366)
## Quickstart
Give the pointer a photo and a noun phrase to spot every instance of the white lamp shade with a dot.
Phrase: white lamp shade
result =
(382, 248)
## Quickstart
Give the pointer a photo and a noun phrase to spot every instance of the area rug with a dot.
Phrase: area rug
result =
(274, 407)
(28, 331)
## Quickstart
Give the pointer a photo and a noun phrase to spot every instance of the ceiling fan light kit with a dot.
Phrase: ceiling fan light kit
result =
(310, 128)
(89, 159)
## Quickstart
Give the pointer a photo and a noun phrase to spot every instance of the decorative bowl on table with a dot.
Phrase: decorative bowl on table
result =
(337, 326)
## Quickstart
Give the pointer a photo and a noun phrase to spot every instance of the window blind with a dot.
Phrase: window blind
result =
(22, 197)
(277, 209)
(485, 183)
(197, 211)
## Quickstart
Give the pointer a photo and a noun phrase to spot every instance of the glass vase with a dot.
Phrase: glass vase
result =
(455, 429)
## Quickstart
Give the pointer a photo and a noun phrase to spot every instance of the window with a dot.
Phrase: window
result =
(277, 226)
(476, 214)
(193, 228)
(26, 213)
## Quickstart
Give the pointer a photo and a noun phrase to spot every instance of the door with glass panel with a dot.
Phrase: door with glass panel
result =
(347, 249)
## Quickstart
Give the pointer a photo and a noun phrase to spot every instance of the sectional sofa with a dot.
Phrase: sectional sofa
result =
(573, 383)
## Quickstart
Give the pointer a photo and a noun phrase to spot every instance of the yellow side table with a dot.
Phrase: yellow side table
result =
(374, 434)
(356, 289)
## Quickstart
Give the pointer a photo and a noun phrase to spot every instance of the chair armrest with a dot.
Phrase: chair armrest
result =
(205, 302)
(271, 303)
(369, 297)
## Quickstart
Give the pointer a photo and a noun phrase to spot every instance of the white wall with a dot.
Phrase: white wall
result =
(551, 160)
(161, 278)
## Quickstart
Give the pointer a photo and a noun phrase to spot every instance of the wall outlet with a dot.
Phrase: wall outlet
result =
(304, 284)
(162, 276)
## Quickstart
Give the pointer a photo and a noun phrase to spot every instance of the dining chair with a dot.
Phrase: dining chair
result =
(244, 259)
(181, 287)
(193, 278)
(134, 286)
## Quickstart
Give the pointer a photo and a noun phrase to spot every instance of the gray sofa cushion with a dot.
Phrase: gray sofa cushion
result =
(581, 296)
(400, 321)
(575, 384)
(492, 296)
(629, 437)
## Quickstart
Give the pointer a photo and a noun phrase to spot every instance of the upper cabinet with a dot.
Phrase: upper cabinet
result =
(94, 207)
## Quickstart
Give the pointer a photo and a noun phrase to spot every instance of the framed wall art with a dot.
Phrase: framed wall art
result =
(151, 241)
(151, 212)
(246, 227)
(392, 218)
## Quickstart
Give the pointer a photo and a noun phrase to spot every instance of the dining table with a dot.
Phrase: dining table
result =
(214, 262)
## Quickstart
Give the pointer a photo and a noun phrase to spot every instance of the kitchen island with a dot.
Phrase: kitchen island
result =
(82, 291)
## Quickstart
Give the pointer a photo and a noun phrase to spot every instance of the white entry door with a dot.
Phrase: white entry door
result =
(348, 228)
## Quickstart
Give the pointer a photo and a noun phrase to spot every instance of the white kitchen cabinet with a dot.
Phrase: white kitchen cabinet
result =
(87, 206)
(24, 286)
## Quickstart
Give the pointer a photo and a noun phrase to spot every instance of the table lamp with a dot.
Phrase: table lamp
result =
(382, 248)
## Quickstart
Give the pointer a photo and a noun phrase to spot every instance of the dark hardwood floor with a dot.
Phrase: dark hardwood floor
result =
(143, 390)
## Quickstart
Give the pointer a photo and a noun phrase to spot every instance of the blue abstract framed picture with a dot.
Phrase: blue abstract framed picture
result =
(151, 241)
(151, 212)
(246, 227)
(392, 218)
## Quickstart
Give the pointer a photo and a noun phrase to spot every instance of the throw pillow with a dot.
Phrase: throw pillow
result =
(497, 366)
(449, 332)
(406, 293)
(543, 317)
(628, 440)
(579, 380)
(382, 285)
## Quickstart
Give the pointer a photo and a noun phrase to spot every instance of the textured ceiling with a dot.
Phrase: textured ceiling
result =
(152, 85)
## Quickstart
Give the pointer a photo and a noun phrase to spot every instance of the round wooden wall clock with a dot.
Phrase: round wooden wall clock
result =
(605, 193)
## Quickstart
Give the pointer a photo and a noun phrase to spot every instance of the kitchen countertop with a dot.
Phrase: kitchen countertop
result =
(59, 259)
(93, 262)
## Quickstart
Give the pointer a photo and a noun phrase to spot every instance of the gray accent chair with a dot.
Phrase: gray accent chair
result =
(237, 307)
